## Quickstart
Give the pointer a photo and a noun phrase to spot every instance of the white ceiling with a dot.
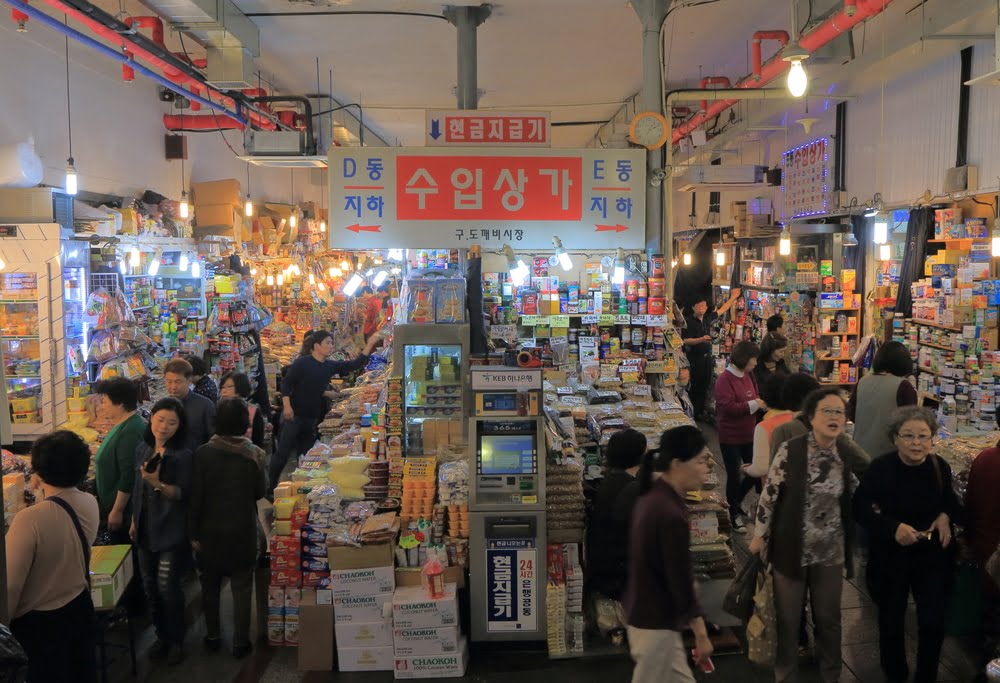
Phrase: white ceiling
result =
(578, 58)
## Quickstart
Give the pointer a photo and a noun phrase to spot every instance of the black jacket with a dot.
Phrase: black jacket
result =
(607, 533)
(229, 479)
(168, 522)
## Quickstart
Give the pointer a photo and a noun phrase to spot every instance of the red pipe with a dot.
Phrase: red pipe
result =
(154, 23)
(169, 70)
(21, 19)
(760, 36)
(835, 25)
(720, 81)
(180, 122)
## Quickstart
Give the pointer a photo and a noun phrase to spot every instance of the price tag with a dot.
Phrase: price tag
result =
(564, 391)
(559, 321)
(526, 343)
(657, 367)
(503, 331)
(622, 319)
(606, 319)
(641, 390)
(590, 319)
(531, 320)
(656, 320)
(639, 320)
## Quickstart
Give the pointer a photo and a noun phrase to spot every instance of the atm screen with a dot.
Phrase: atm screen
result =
(507, 454)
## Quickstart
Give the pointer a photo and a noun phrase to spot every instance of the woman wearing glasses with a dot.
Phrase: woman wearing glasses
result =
(907, 504)
(805, 529)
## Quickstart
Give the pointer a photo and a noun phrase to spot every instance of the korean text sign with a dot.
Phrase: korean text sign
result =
(805, 179)
(511, 578)
(424, 197)
(488, 128)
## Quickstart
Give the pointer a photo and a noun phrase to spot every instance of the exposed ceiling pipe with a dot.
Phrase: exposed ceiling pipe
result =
(758, 38)
(214, 100)
(186, 123)
(720, 81)
(836, 24)
(97, 46)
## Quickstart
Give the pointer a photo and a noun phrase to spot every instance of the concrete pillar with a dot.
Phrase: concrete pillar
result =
(467, 20)
(652, 13)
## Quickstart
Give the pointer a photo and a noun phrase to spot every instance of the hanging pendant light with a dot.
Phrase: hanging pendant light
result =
(184, 262)
(995, 241)
(686, 259)
(885, 252)
(185, 208)
(72, 181)
(248, 206)
(785, 242)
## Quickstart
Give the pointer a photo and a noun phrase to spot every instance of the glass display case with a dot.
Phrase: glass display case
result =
(434, 361)
(20, 348)
(76, 258)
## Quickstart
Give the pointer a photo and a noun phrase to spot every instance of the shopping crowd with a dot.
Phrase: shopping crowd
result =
(819, 488)
(182, 488)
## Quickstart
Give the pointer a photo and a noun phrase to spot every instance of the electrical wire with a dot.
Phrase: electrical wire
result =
(208, 94)
(331, 13)
(69, 106)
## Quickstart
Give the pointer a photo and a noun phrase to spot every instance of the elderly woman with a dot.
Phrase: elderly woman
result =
(805, 529)
(907, 504)
(114, 466)
(48, 560)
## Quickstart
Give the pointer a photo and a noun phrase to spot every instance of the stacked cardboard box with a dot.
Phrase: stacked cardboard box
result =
(427, 638)
(316, 629)
(218, 208)
(363, 580)
(751, 218)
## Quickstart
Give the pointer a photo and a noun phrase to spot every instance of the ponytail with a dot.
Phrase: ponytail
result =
(680, 443)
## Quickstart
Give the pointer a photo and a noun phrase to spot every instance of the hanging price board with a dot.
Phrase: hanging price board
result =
(558, 321)
(590, 319)
(503, 332)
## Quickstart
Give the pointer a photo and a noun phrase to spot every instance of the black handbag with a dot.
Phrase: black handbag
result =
(739, 597)
(13, 659)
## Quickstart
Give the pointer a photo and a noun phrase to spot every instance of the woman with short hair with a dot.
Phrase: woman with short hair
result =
(114, 465)
(877, 396)
(229, 479)
(48, 564)
(907, 504)
(238, 385)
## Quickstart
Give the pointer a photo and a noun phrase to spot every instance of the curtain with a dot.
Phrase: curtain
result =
(478, 339)
(857, 257)
(918, 231)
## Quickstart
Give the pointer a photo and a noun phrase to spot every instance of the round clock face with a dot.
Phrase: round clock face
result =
(649, 130)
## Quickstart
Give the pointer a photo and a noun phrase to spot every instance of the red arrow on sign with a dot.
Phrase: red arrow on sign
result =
(611, 228)
(364, 228)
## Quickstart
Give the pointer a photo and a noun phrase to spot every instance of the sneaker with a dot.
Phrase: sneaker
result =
(738, 525)
(159, 651)
(176, 656)
(213, 644)
(241, 651)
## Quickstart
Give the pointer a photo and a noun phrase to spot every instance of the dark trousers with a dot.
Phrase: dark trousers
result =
(241, 585)
(59, 643)
(298, 435)
(737, 486)
(161, 577)
(701, 378)
(929, 577)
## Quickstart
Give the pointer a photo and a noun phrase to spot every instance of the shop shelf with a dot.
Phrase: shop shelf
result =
(23, 377)
(19, 301)
(928, 397)
(836, 334)
(19, 337)
(835, 358)
(936, 346)
(928, 323)
(838, 384)
(763, 288)
(930, 371)
(960, 239)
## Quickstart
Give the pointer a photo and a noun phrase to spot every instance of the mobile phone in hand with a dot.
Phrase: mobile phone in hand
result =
(151, 464)
(707, 666)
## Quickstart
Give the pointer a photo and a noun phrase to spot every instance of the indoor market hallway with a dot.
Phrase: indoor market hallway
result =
(496, 665)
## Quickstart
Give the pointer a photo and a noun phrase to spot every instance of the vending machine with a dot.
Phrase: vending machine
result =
(507, 505)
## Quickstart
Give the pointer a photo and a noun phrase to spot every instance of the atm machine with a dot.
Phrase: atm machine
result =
(507, 505)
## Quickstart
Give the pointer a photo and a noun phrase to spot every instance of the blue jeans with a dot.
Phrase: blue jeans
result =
(297, 434)
(161, 577)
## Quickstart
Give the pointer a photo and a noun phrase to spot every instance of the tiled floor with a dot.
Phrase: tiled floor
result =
(491, 664)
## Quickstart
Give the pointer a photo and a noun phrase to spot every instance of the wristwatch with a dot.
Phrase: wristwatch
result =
(159, 489)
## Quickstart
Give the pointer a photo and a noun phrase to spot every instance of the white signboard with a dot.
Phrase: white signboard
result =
(479, 128)
(394, 198)
(511, 378)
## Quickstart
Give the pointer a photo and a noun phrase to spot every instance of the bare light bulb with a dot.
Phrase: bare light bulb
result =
(185, 209)
(293, 220)
(785, 243)
(686, 259)
(270, 280)
(798, 81)
(184, 262)
(322, 226)
(72, 181)
(248, 208)
(885, 252)
(995, 242)
(720, 258)
(880, 233)
(196, 268)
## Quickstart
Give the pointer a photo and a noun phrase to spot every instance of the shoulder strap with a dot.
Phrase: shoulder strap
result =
(79, 530)
(937, 472)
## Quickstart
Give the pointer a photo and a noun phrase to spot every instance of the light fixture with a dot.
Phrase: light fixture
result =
(995, 242)
(618, 274)
(785, 242)
(253, 272)
(122, 264)
(720, 258)
(333, 271)
(875, 208)
(2, 264)
(798, 80)
(322, 226)
(673, 263)
(367, 266)
(135, 257)
(564, 260)
(154, 265)
(519, 271)
(312, 279)
(184, 262)
(885, 251)
(849, 240)
(270, 280)
(196, 268)
(295, 269)
(321, 286)
(352, 284)
(380, 277)
(185, 209)
(72, 181)
(293, 220)
(280, 279)
(880, 231)
(345, 265)
(396, 270)
(248, 206)
(686, 259)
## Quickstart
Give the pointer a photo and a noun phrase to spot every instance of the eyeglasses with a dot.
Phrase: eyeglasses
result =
(916, 438)
(834, 412)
